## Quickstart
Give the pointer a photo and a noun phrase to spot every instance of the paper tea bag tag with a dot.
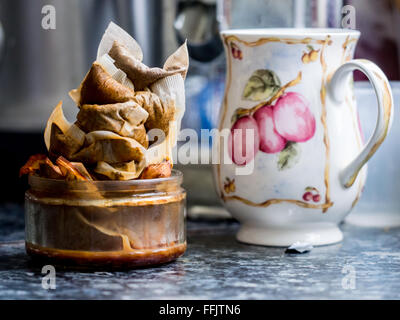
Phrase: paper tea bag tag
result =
(116, 33)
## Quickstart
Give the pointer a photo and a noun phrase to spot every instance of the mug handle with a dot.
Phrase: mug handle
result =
(337, 91)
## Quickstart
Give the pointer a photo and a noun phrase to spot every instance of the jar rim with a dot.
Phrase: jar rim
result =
(37, 182)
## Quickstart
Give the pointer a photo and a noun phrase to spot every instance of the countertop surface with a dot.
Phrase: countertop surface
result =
(366, 265)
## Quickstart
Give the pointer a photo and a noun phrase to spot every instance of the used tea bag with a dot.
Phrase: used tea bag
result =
(143, 76)
(33, 164)
(170, 90)
(79, 166)
(64, 143)
(128, 56)
(99, 87)
(72, 172)
(41, 164)
(160, 113)
(162, 149)
(120, 171)
(49, 170)
(126, 119)
(117, 74)
(109, 147)
(158, 170)
(60, 136)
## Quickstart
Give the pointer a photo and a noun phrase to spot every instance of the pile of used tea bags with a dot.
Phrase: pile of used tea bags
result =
(128, 120)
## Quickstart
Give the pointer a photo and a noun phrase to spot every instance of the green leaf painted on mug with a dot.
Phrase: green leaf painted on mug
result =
(289, 156)
(261, 85)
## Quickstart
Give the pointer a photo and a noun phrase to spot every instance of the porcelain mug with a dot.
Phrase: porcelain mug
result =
(291, 113)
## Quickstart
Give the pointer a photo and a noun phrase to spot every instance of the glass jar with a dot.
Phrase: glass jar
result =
(106, 223)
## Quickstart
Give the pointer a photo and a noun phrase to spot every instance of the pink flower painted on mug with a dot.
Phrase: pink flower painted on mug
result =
(270, 140)
(243, 141)
(293, 118)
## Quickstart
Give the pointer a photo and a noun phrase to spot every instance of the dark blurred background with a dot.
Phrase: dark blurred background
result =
(38, 66)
